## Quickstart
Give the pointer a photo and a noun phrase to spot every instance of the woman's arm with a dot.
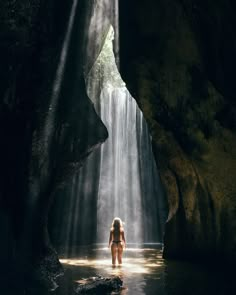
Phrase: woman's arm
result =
(123, 238)
(110, 238)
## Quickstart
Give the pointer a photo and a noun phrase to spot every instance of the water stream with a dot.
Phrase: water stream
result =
(129, 184)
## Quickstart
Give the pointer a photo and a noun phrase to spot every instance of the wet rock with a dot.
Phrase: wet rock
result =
(173, 67)
(44, 126)
(99, 285)
(46, 272)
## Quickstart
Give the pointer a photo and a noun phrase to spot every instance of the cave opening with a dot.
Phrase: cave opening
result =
(120, 178)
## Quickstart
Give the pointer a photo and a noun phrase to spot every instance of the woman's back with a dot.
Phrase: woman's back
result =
(117, 234)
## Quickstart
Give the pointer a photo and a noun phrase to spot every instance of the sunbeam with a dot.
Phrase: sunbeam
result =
(120, 178)
(48, 128)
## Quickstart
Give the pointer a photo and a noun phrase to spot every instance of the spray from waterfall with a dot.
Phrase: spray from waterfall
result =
(120, 178)
(129, 185)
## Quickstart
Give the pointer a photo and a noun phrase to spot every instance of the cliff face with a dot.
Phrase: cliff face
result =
(45, 117)
(179, 66)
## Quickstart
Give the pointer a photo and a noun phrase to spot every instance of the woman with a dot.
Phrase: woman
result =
(117, 240)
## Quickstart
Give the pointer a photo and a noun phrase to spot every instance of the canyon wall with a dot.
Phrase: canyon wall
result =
(180, 67)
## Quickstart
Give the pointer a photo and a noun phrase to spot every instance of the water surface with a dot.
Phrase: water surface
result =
(144, 271)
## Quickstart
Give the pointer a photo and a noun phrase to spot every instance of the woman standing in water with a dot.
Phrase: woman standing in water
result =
(117, 240)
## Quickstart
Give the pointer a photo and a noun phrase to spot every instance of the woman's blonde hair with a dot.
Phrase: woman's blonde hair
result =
(117, 224)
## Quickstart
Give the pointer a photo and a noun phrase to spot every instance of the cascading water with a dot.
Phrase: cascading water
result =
(118, 179)
(129, 185)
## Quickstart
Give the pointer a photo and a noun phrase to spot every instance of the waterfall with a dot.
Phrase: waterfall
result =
(119, 179)
(129, 185)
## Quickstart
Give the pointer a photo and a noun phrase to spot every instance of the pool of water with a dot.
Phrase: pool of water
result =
(144, 271)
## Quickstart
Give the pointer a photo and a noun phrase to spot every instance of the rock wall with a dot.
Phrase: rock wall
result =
(45, 117)
(179, 66)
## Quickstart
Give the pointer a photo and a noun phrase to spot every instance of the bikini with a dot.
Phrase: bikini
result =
(116, 242)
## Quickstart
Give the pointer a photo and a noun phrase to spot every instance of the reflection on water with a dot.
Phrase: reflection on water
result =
(144, 271)
(139, 265)
(135, 261)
